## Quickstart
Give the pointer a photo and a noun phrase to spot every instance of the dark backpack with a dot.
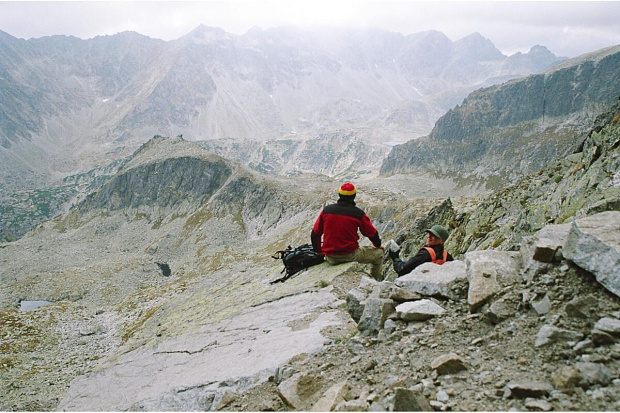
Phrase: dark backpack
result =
(296, 259)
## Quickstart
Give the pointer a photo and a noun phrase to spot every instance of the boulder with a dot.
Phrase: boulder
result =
(418, 310)
(448, 364)
(297, 390)
(566, 377)
(594, 373)
(376, 311)
(542, 305)
(593, 244)
(332, 397)
(548, 242)
(502, 309)
(488, 272)
(579, 307)
(549, 334)
(610, 326)
(355, 304)
(528, 388)
(406, 400)
(434, 280)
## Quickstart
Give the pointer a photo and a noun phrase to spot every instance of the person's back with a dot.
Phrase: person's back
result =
(335, 233)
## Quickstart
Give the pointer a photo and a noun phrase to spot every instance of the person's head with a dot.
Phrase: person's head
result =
(436, 235)
(347, 191)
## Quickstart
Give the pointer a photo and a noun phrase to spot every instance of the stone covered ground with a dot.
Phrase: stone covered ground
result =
(495, 364)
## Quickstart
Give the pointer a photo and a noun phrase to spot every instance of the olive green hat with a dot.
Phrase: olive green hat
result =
(439, 232)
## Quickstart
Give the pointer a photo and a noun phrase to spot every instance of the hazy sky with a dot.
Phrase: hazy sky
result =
(567, 28)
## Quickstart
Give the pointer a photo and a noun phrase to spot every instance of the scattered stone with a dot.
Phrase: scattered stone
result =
(488, 272)
(538, 405)
(376, 311)
(406, 400)
(401, 295)
(541, 306)
(521, 390)
(332, 397)
(566, 377)
(502, 309)
(352, 406)
(549, 334)
(594, 373)
(296, 391)
(433, 280)
(442, 396)
(583, 346)
(591, 238)
(418, 310)
(579, 307)
(355, 304)
(448, 364)
(601, 338)
(608, 325)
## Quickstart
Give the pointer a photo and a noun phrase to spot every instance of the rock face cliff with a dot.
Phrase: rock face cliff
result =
(502, 133)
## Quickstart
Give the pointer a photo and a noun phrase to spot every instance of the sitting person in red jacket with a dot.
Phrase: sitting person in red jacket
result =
(432, 251)
(334, 233)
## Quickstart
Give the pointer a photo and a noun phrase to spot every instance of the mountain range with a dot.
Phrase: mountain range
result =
(68, 105)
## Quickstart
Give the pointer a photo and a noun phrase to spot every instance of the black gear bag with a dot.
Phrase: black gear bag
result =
(296, 259)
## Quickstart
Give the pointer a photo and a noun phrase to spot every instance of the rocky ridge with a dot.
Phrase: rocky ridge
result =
(215, 334)
(497, 134)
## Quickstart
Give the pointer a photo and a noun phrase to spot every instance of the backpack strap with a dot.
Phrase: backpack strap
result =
(433, 255)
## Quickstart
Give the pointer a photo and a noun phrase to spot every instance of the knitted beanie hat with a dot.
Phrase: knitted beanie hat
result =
(347, 189)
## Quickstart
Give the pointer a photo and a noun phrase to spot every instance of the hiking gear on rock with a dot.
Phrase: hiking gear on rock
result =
(439, 232)
(434, 258)
(296, 259)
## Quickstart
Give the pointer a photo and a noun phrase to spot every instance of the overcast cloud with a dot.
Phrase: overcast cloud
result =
(567, 28)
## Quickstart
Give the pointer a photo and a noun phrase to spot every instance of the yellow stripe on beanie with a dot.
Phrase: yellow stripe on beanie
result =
(347, 189)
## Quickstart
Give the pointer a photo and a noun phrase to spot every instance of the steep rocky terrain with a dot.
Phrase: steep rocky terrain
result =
(500, 133)
(527, 322)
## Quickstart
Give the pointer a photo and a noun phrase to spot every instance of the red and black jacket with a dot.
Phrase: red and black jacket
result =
(337, 224)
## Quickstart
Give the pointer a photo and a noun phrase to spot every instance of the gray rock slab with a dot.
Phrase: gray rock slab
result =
(593, 244)
(376, 311)
(418, 310)
(296, 391)
(252, 344)
(406, 400)
(331, 398)
(528, 388)
(549, 334)
(608, 325)
(448, 364)
(549, 241)
(541, 305)
(434, 280)
(594, 373)
(488, 272)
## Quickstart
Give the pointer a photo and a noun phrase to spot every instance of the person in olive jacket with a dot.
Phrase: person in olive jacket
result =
(335, 233)
(433, 251)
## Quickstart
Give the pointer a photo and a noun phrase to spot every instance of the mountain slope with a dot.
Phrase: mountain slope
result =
(501, 133)
(215, 334)
(69, 105)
